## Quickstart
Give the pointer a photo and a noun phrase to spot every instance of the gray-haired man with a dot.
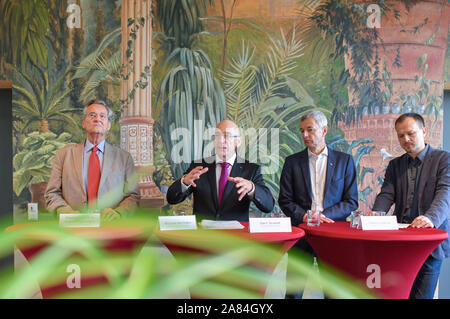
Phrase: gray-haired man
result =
(103, 179)
(317, 178)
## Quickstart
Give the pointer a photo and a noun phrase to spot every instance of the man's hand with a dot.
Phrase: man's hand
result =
(243, 185)
(323, 219)
(109, 214)
(421, 222)
(193, 175)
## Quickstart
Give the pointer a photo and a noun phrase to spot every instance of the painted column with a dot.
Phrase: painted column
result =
(136, 123)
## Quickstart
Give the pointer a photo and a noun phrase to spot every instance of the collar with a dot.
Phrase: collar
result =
(88, 146)
(422, 154)
(230, 161)
(314, 156)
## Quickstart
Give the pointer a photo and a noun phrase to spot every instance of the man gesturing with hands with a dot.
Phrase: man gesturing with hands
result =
(223, 185)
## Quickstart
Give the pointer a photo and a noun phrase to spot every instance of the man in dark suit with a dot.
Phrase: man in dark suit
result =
(317, 178)
(223, 185)
(418, 183)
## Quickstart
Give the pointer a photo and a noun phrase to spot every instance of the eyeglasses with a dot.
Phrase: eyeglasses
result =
(227, 137)
(102, 116)
(93, 115)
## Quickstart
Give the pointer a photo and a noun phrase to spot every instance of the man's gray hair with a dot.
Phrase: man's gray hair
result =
(100, 102)
(318, 116)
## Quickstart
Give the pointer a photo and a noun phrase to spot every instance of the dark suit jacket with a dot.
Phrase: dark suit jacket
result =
(205, 194)
(433, 189)
(341, 193)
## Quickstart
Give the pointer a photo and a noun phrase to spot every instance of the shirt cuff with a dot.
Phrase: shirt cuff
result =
(252, 192)
(184, 188)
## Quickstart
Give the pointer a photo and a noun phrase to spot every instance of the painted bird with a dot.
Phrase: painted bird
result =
(386, 154)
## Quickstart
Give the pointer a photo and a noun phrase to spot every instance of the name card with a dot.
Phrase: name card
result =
(221, 224)
(378, 223)
(79, 220)
(32, 211)
(270, 225)
(177, 222)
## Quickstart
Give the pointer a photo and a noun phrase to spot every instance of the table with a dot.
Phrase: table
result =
(386, 261)
(190, 238)
(201, 243)
(117, 241)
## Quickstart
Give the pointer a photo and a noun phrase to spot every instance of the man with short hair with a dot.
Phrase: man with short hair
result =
(94, 174)
(317, 178)
(418, 183)
(211, 181)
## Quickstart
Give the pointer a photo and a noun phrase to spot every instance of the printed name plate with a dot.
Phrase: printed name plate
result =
(378, 223)
(177, 222)
(79, 220)
(33, 211)
(270, 225)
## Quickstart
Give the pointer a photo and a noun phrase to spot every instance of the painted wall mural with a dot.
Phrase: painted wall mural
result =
(171, 70)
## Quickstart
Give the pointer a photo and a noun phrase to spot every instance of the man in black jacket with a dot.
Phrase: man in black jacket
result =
(223, 185)
(418, 183)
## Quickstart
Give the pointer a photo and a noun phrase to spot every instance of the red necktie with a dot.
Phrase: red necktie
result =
(93, 176)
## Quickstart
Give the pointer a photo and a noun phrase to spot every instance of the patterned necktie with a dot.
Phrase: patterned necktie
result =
(93, 176)
(223, 180)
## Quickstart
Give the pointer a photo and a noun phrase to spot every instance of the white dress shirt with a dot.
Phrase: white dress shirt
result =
(318, 173)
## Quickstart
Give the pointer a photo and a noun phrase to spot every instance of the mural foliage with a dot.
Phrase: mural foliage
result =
(260, 63)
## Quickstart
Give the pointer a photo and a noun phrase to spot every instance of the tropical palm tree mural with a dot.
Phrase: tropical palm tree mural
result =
(362, 148)
(265, 99)
(33, 163)
(100, 67)
(23, 28)
(190, 96)
(37, 98)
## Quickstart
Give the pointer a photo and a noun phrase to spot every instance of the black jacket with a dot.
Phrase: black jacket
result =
(205, 194)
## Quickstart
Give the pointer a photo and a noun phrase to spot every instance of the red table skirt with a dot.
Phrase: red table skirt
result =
(115, 240)
(203, 242)
(398, 255)
(186, 239)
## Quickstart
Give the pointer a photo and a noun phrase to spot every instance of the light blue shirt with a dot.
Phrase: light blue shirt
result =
(86, 155)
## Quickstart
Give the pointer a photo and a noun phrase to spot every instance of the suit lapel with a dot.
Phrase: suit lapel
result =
(212, 181)
(331, 166)
(78, 164)
(236, 171)
(428, 160)
(107, 165)
(304, 166)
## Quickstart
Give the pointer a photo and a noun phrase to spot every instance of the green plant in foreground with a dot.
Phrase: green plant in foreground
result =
(230, 266)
